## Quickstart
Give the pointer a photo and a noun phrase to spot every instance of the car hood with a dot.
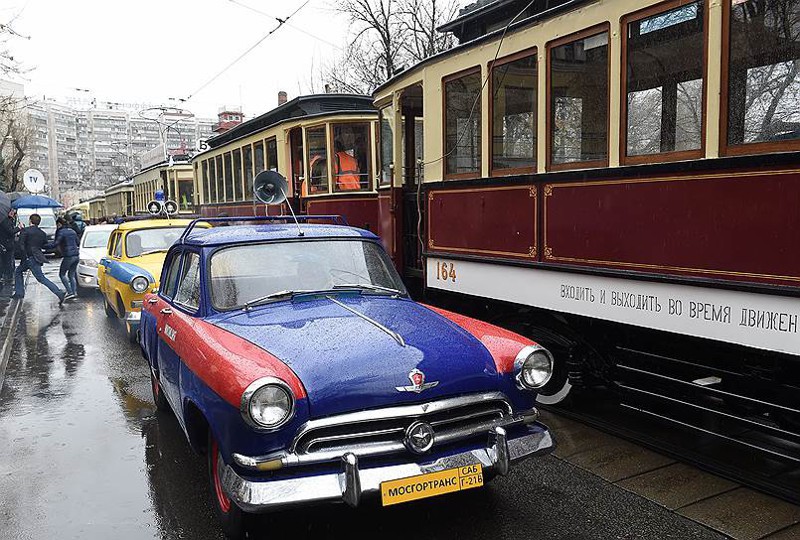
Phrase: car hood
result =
(347, 363)
(92, 254)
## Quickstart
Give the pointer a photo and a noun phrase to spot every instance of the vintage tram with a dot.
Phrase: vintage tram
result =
(173, 177)
(323, 144)
(624, 179)
(119, 199)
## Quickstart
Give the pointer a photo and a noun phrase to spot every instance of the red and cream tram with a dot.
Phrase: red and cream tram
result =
(624, 178)
(324, 145)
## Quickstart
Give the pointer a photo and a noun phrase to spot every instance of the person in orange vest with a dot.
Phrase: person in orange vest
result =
(346, 170)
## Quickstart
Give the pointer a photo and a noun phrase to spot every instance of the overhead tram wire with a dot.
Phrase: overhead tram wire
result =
(281, 22)
(309, 34)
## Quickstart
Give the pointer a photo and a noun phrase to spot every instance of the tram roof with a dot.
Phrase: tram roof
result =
(299, 107)
(482, 14)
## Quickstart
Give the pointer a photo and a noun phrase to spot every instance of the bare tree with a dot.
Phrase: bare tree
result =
(16, 138)
(421, 18)
(385, 36)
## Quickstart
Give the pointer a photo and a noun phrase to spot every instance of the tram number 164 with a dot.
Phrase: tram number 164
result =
(445, 271)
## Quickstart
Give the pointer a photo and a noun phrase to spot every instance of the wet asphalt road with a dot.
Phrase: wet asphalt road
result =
(84, 455)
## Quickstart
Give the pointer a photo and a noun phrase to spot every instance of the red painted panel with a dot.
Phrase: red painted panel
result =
(390, 223)
(360, 212)
(494, 222)
(740, 226)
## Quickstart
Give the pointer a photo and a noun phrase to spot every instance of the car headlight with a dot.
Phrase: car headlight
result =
(89, 262)
(139, 284)
(533, 367)
(267, 403)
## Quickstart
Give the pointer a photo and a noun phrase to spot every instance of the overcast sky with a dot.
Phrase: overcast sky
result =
(153, 50)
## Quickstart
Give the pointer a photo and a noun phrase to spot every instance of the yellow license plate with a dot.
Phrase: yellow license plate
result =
(431, 484)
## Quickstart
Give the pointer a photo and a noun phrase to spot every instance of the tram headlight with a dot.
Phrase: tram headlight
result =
(139, 284)
(267, 403)
(533, 367)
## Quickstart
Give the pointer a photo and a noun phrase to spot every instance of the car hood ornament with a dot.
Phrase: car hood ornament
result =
(418, 383)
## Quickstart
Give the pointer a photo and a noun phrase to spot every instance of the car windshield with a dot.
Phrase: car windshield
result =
(96, 239)
(246, 274)
(149, 240)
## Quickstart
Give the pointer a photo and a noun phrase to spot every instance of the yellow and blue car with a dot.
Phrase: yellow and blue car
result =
(132, 266)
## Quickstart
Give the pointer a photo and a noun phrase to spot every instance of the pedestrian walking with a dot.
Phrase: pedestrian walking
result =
(78, 225)
(8, 232)
(32, 239)
(66, 240)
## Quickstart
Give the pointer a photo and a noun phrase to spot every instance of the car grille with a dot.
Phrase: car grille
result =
(381, 431)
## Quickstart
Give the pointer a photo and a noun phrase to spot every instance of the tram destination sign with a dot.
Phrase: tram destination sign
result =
(756, 320)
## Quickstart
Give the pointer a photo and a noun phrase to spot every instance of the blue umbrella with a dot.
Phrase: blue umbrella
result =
(35, 201)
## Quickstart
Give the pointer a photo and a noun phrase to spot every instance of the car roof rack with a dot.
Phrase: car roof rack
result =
(333, 218)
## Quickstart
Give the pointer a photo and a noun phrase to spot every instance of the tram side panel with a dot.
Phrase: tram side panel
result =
(679, 291)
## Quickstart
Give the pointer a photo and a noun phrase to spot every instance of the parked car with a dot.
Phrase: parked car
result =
(94, 245)
(132, 264)
(302, 369)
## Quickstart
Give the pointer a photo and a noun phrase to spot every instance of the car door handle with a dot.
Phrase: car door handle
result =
(153, 301)
(166, 311)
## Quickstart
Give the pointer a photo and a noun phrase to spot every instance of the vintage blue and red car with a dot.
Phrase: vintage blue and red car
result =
(300, 366)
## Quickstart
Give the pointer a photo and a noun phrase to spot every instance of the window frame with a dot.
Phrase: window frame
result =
(675, 155)
(177, 257)
(186, 308)
(266, 144)
(510, 171)
(446, 79)
(741, 149)
(378, 144)
(306, 158)
(363, 123)
(595, 30)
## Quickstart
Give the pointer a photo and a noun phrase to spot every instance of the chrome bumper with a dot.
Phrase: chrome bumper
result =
(352, 483)
(133, 317)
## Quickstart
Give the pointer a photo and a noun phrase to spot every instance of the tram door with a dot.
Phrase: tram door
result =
(413, 201)
(297, 169)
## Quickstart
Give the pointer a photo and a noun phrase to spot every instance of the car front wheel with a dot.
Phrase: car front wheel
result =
(108, 309)
(231, 516)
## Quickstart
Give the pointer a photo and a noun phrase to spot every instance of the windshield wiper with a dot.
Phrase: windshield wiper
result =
(369, 287)
(280, 295)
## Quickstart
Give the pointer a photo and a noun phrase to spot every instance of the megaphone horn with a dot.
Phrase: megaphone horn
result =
(270, 187)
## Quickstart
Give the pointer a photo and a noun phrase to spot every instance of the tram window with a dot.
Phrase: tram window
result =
(513, 94)
(664, 80)
(387, 145)
(259, 155)
(238, 194)
(350, 157)
(227, 177)
(185, 193)
(463, 125)
(214, 193)
(206, 188)
(247, 155)
(410, 175)
(764, 71)
(272, 154)
(578, 101)
(217, 186)
(317, 160)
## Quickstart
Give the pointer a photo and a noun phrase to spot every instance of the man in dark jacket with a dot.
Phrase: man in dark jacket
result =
(8, 231)
(66, 240)
(32, 239)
